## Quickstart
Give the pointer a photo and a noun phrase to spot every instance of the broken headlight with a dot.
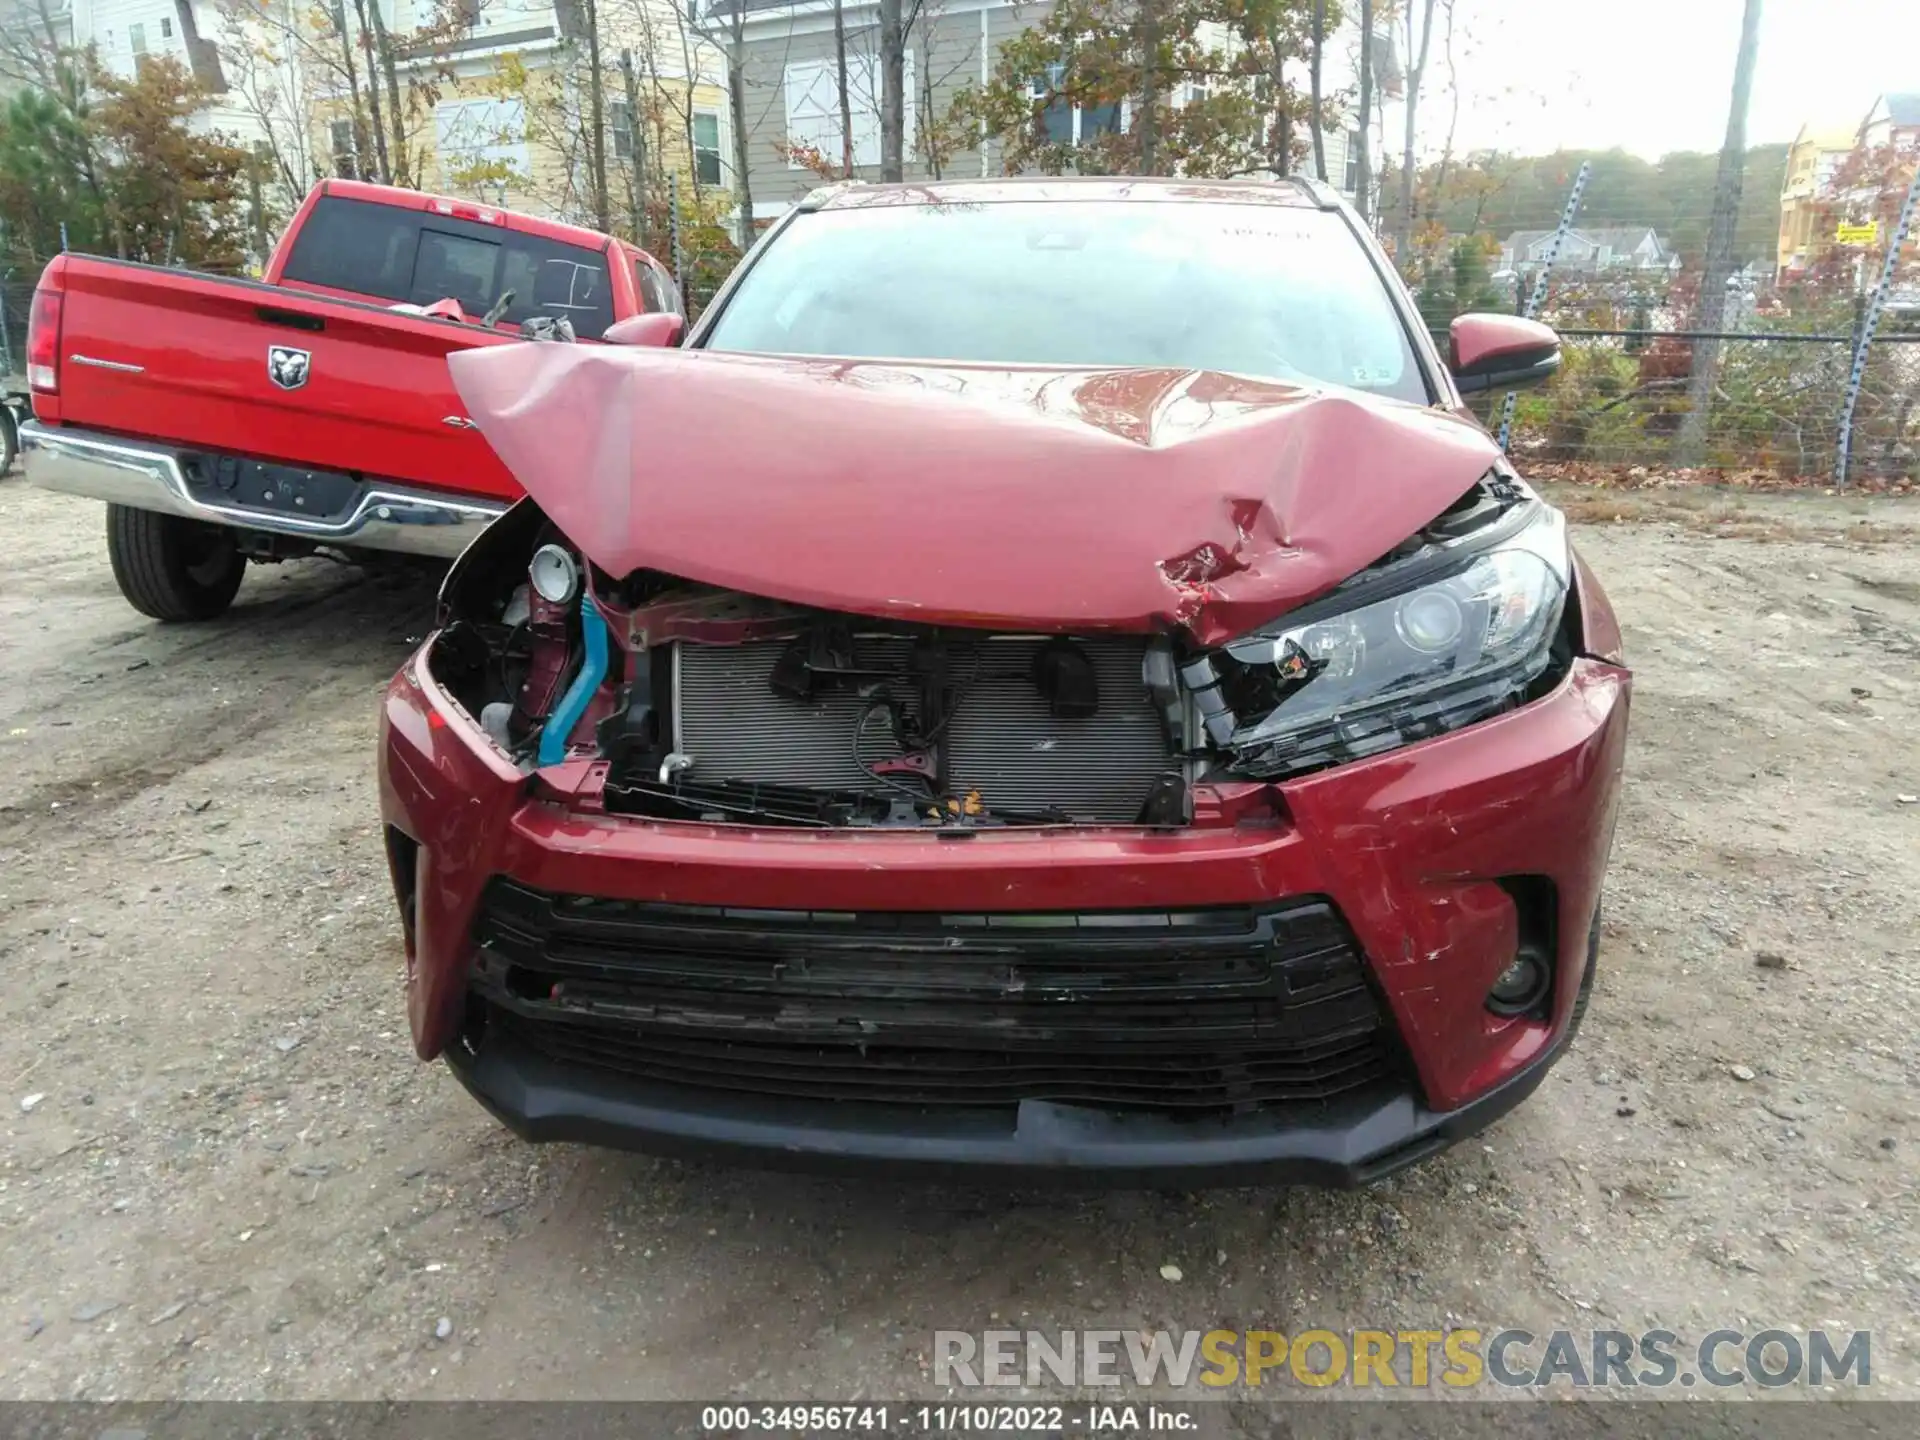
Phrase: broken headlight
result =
(1399, 656)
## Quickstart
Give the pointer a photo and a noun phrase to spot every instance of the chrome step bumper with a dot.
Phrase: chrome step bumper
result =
(386, 516)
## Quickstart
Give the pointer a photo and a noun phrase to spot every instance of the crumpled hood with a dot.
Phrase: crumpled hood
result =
(1032, 499)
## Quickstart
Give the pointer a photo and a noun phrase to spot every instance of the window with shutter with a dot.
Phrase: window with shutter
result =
(813, 107)
(473, 133)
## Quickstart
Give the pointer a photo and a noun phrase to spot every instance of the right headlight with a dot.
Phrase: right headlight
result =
(1394, 661)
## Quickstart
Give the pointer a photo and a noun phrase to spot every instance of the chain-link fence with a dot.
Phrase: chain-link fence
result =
(1764, 381)
(1810, 299)
(16, 294)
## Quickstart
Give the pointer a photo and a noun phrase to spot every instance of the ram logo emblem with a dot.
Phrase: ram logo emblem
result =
(287, 367)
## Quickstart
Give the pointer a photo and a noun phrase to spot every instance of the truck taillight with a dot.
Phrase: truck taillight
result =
(468, 212)
(43, 341)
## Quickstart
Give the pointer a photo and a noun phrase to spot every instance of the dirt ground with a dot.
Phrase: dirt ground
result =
(235, 1180)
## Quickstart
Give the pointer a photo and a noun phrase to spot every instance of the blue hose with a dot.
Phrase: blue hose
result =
(573, 704)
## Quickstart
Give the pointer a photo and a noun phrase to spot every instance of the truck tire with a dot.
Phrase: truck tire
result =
(172, 568)
(9, 438)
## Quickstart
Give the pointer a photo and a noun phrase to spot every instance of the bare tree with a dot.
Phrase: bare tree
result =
(737, 104)
(840, 78)
(267, 79)
(383, 51)
(1147, 125)
(1417, 49)
(363, 127)
(893, 86)
(1315, 56)
(732, 41)
(597, 120)
(384, 167)
(1690, 444)
(1363, 166)
(636, 147)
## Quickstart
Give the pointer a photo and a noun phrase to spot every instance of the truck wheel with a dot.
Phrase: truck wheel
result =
(9, 438)
(172, 568)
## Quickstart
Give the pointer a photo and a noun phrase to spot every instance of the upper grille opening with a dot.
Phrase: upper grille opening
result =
(894, 727)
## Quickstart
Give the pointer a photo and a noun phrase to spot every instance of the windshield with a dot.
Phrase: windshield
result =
(1277, 292)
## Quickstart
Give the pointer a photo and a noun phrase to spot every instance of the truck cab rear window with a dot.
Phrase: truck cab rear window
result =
(411, 257)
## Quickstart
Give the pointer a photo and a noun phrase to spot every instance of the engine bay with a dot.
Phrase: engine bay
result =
(705, 704)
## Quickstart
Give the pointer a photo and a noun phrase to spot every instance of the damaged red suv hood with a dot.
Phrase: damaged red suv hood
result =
(1036, 499)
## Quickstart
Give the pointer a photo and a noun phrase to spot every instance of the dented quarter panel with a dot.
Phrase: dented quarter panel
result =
(1042, 499)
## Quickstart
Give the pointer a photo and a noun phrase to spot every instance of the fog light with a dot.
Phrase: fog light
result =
(1520, 987)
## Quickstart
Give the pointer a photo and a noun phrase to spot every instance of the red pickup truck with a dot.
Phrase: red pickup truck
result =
(226, 420)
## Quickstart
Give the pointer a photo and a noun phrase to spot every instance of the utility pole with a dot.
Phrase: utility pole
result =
(1690, 445)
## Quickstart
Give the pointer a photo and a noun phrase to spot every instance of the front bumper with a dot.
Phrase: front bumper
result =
(1411, 847)
(1353, 1144)
(380, 515)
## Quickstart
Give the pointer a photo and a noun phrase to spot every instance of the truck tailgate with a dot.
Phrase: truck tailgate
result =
(178, 356)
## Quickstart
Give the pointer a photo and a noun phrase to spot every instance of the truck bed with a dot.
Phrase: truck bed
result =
(175, 358)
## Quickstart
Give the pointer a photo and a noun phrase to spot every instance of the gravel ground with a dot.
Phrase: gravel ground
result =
(224, 1175)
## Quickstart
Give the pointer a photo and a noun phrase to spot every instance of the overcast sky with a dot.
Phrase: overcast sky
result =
(1656, 75)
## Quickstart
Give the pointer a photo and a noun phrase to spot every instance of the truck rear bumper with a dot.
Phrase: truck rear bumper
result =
(382, 515)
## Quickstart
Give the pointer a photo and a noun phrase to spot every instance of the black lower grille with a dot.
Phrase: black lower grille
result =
(1191, 1011)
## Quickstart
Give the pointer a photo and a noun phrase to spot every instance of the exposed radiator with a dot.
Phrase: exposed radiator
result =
(1000, 739)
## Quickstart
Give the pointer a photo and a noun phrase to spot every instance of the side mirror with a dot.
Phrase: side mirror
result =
(1501, 352)
(660, 329)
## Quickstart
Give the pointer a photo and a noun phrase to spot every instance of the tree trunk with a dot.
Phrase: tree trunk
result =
(928, 119)
(1313, 81)
(1149, 121)
(361, 144)
(1445, 169)
(840, 79)
(597, 121)
(383, 172)
(1363, 168)
(1280, 156)
(636, 149)
(1416, 68)
(1690, 444)
(893, 82)
(737, 104)
(396, 113)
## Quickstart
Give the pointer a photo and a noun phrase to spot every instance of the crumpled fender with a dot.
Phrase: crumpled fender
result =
(1033, 499)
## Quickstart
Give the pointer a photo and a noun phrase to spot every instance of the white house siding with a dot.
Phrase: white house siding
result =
(793, 97)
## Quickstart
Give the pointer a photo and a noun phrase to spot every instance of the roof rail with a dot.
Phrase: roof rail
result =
(817, 197)
(1319, 191)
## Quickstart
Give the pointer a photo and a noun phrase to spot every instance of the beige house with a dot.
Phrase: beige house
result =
(1812, 161)
(496, 97)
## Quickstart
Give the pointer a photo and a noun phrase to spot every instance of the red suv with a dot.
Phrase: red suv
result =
(1048, 677)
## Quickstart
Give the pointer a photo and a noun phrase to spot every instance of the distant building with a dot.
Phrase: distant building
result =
(791, 73)
(1813, 160)
(1589, 250)
(1894, 120)
(1809, 197)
